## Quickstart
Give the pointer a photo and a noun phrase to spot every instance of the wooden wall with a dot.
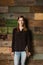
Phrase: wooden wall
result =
(9, 11)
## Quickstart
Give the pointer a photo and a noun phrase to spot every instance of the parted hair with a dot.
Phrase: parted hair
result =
(24, 25)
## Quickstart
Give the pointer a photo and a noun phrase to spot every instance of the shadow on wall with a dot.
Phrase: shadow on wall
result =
(31, 44)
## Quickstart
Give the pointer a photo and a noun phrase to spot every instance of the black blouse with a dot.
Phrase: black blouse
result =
(20, 40)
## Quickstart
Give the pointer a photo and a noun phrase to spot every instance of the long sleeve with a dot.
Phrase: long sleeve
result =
(28, 41)
(13, 40)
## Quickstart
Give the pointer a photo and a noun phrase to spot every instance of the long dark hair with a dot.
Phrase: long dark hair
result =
(24, 25)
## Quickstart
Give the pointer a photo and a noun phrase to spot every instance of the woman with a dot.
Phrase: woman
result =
(19, 42)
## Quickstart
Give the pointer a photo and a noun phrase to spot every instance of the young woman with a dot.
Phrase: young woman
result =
(19, 42)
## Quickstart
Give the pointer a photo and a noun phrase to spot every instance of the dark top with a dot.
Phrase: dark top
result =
(20, 40)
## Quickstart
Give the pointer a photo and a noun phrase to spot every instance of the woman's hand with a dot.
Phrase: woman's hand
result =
(28, 54)
(12, 53)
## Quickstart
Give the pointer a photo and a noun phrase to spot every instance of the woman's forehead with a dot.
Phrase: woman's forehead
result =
(20, 18)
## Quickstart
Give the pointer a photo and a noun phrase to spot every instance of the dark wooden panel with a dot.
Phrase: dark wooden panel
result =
(39, 2)
(38, 43)
(38, 49)
(3, 9)
(6, 2)
(24, 3)
(33, 9)
(37, 23)
(36, 29)
(15, 15)
(19, 9)
(38, 36)
(11, 2)
(16, 2)
(21, 2)
(31, 62)
(3, 2)
(37, 9)
(36, 62)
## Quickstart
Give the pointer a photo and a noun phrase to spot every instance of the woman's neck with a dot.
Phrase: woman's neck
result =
(21, 28)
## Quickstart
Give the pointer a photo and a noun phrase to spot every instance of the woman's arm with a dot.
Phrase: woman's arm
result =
(13, 38)
(28, 43)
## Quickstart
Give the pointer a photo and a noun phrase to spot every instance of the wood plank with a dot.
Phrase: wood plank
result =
(24, 3)
(29, 9)
(19, 9)
(21, 2)
(39, 2)
(6, 43)
(35, 62)
(14, 15)
(36, 9)
(38, 43)
(3, 2)
(38, 36)
(35, 23)
(7, 2)
(38, 16)
(9, 57)
(3, 9)
(36, 29)
(11, 2)
(31, 62)
(4, 50)
(38, 49)
(16, 2)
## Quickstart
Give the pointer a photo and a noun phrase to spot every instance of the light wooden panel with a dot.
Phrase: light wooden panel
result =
(38, 16)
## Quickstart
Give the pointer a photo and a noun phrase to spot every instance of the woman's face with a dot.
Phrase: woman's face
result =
(20, 21)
